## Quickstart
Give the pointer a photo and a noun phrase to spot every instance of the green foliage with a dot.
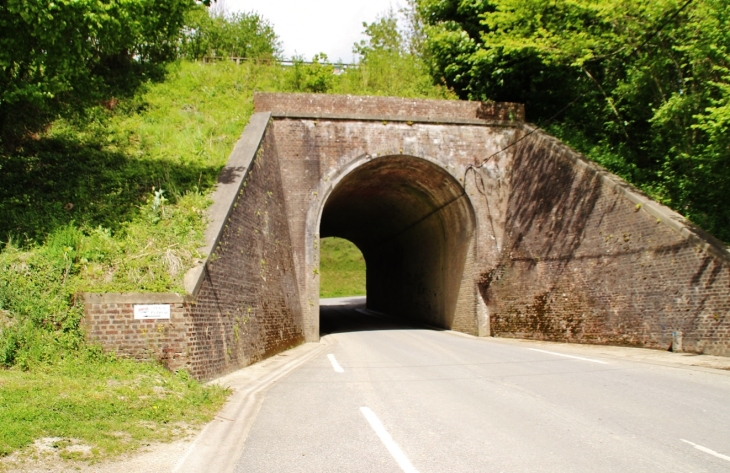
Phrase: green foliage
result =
(40, 322)
(245, 35)
(342, 268)
(389, 61)
(106, 404)
(382, 35)
(316, 77)
(67, 54)
(645, 84)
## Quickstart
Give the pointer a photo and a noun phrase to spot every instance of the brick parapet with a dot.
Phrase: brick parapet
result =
(354, 107)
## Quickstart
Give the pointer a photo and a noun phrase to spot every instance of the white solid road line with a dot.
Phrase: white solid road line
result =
(335, 365)
(707, 450)
(570, 356)
(393, 448)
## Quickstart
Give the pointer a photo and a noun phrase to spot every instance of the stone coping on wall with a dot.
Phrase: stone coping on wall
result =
(229, 185)
(135, 298)
(394, 118)
(663, 214)
(441, 111)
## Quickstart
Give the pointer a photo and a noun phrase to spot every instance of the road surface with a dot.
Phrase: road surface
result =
(386, 396)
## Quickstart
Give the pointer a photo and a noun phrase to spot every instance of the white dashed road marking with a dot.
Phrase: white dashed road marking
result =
(393, 448)
(570, 356)
(336, 366)
(707, 450)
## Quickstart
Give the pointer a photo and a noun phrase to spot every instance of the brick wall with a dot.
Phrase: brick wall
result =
(248, 306)
(353, 105)
(316, 154)
(244, 303)
(110, 321)
(589, 259)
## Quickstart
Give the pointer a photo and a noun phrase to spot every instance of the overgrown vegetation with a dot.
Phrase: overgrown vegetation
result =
(640, 86)
(110, 196)
(60, 57)
(341, 268)
(100, 406)
(108, 153)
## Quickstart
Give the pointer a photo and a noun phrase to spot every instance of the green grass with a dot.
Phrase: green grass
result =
(341, 269)
(111, 406)
(114, 200)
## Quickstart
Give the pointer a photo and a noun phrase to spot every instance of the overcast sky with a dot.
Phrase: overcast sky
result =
(312, 26)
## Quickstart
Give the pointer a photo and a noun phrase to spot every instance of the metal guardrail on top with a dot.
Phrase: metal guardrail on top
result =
(284, 62)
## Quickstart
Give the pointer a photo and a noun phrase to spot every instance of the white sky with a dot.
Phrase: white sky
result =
(310, 27)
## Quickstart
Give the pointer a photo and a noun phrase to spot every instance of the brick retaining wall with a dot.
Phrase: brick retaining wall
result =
(243, 303)
(110, 321)
(590, 259)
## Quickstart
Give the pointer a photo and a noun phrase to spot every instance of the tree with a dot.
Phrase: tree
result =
(219, 33)
(63, 55)
(382, 36)
(389, 59)
(641, 86)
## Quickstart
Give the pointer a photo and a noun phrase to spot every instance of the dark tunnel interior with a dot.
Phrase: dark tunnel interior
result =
(414, 225)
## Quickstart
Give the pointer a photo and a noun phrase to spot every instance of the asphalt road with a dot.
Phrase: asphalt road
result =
(389, 397)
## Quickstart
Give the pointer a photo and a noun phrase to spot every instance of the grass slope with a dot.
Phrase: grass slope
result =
(341, 268)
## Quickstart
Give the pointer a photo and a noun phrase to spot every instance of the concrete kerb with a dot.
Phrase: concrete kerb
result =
(719, 365)
(221, 442)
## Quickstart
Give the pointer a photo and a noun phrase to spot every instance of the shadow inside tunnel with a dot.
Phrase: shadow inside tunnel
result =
(350, 314)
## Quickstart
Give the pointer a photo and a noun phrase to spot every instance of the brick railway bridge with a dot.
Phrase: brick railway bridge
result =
(468, 218)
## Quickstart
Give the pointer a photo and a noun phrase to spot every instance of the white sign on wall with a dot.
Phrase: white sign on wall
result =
(151, 311)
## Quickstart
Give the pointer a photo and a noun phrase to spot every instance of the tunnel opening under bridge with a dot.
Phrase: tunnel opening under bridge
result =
(415, 227)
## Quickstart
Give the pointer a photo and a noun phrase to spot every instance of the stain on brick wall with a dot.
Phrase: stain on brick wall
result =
(584, 262)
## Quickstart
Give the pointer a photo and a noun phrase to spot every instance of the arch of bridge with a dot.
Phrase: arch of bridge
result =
(414, 223)
(423, 256)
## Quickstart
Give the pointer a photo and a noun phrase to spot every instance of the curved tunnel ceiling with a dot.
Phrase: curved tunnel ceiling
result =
(386, 196)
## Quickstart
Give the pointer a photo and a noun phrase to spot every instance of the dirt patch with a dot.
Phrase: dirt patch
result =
(58, 455)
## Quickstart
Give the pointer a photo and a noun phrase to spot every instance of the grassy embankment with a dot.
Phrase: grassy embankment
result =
(114, 201)
(341, 269)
